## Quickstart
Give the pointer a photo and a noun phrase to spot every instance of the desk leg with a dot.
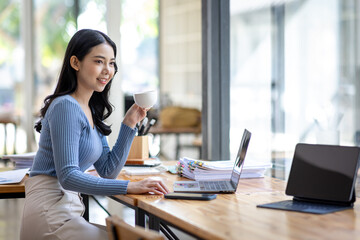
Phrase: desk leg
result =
(85, 200)
(156, 225)
(140, 217)
(154, 222)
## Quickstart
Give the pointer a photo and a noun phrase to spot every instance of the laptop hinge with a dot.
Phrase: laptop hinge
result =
(234, 185)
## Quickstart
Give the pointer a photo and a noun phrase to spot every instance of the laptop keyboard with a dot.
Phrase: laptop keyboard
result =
(213, 185)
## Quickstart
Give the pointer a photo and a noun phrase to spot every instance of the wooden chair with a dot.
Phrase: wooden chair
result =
(5, 119)
(120, 230)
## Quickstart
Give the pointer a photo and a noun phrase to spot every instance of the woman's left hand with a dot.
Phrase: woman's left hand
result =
(148, 185)
(134, 115)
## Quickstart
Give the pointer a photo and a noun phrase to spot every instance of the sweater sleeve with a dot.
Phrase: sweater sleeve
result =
(65, 129)
(111, 162)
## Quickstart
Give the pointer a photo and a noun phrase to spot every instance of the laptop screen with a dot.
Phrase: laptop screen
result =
(323, 172)
(240, 157)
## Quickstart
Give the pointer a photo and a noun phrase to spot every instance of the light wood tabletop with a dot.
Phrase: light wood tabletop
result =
(13, 188)
(235, 216)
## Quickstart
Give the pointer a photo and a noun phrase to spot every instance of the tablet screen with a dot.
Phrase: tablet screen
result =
(323, 172)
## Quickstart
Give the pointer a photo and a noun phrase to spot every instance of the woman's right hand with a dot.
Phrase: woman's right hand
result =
(147, 185)
(134, 115)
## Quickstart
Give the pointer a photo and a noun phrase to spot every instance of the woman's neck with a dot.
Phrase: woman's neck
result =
(83, 99)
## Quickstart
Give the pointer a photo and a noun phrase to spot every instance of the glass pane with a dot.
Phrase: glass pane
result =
(139, 45)
(54, 26)
(250, 79)
(92, 15)
(294, 65)
(11, 74)
(11, 56)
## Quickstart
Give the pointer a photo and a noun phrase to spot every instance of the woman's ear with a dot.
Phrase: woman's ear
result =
(74, 62)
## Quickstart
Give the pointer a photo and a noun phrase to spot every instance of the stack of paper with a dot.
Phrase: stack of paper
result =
(21, 160)
(14, 176)
(217, 170)
(145, 170)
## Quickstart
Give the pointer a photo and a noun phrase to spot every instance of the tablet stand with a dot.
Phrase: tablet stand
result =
(350, 203)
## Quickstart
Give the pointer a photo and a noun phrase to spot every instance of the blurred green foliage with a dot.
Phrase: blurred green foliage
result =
(145, 18)
(9, 28)
(55, 23)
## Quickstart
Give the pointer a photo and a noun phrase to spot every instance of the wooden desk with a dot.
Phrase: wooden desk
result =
(159, 130)
(235, 216)
(12, 190)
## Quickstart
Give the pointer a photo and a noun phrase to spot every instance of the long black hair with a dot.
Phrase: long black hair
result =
(79, 46)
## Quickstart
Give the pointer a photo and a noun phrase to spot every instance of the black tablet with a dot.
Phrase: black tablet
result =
(324, 172)
(321, 180)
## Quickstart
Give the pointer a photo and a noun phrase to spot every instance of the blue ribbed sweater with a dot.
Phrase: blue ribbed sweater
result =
(69, 145)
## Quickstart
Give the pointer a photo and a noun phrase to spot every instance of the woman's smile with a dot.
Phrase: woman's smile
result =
(103, 80)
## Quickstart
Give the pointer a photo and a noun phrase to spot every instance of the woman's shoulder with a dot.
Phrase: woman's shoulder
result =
(65, 102)
(64, 98)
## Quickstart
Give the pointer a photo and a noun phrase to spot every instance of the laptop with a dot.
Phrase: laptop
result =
(223, 186)
(321, 180)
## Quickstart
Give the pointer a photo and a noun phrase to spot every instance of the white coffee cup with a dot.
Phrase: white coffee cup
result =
(145, 99)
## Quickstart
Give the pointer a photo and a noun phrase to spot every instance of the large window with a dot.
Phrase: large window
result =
(139, 45)
(293, 75)
(11, 68)
(53, 24)
(57, 21)
(250, 91)
(10, 55)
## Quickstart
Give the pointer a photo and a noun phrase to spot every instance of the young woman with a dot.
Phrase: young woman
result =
(73, 137)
